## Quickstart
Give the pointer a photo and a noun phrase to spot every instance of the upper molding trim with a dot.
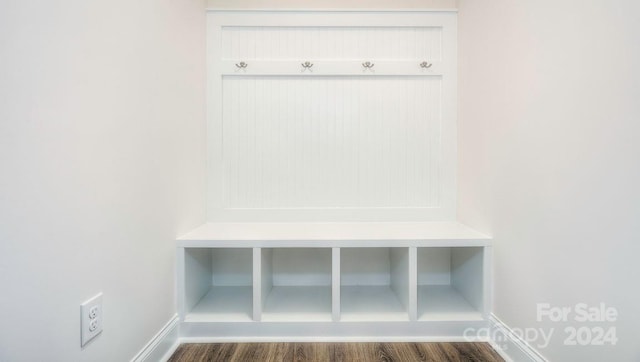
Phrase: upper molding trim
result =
(333, 5)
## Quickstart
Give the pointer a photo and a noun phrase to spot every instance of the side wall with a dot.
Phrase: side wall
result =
(102, 133)
(550, 161)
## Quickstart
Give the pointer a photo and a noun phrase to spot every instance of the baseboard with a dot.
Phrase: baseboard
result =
(296, 339)
(506, 343)
(509, 345)
(162, 345)
(346, 331)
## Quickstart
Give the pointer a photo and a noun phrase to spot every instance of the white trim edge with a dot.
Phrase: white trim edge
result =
(162, 345)
(341, 339)
(509, 345)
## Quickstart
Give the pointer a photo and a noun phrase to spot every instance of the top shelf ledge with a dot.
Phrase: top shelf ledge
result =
(334, 234)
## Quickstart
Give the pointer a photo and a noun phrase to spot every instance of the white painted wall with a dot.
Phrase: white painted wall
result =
(550, 158)
(102, 117)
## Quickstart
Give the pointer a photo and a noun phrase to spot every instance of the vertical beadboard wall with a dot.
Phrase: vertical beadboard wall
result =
(294, 142)
(336, 142)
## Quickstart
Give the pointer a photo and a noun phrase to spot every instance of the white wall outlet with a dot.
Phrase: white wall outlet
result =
(90, 319)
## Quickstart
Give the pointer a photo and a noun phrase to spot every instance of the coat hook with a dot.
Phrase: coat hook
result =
(307, 65)
(368, 65)
(426, 65)
(242, 65)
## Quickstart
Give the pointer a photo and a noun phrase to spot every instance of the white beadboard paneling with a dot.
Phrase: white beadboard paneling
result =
(315, 43)
(331, 142)
(337, 142)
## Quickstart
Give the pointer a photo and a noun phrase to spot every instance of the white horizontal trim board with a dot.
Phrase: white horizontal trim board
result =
(331, 68)
(336, 5)
(331, 331)
(332, 43)
(509, 345)
(162, 345)
(316, 339)
(337, 141)
(389, 18)
(333, 234)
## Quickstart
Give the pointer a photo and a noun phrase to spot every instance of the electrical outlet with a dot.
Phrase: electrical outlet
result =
(93, 312)
(90, 319)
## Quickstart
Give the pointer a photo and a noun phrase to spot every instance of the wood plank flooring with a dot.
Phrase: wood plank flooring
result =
(347, 352)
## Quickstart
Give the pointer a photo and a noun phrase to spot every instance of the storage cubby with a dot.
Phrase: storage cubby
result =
(218, 284)
(333, 280)
(450, 283)
(296, 284)
(374, 284)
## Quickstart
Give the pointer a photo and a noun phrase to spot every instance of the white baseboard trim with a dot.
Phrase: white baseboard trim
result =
(506, 343)
(322, 339)
(509, 345)
(162, 345)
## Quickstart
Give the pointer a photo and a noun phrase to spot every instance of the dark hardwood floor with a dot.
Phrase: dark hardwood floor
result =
(347, 352)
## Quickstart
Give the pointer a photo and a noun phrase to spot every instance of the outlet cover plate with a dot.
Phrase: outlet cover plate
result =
(90, 319)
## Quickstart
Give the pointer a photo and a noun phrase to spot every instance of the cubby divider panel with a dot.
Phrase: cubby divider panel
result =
(218, 284)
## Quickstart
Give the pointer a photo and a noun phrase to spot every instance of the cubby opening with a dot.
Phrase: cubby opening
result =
(374, 284)
(296, 284)
(450, 283)
(218, 284)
